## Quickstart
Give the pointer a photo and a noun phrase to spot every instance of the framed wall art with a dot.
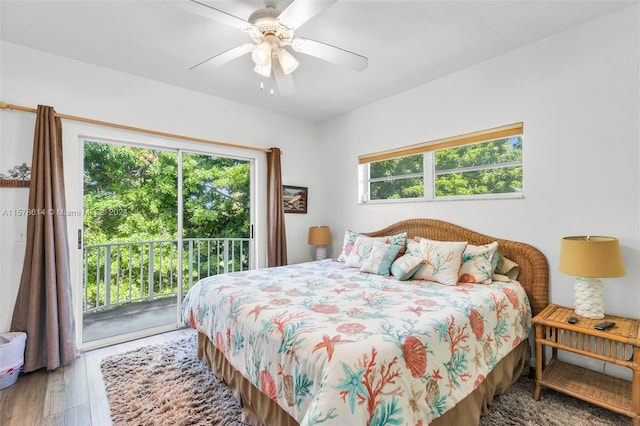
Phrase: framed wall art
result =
(294, 199)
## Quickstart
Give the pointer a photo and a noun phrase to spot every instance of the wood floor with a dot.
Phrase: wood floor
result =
(70, 396)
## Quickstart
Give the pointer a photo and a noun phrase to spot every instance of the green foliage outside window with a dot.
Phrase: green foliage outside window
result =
(493, 167)
(131, 195)
(499, 165)
(397, 189)
(397, 178)
(397, 166)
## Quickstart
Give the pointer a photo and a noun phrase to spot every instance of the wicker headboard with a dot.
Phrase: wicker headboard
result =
(534, 270)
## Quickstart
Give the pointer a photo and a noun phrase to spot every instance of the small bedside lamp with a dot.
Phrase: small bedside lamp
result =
(589, 258)
(320, 236)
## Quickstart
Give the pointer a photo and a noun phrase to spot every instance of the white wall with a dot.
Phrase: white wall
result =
(30, 77)
(578, 96)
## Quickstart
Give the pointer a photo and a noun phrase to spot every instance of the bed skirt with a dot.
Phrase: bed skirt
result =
(258, 409)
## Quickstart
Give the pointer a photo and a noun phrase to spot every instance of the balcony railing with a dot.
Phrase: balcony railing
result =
(119, 273)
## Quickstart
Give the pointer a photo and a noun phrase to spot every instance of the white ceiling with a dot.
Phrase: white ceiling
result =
(408, 43)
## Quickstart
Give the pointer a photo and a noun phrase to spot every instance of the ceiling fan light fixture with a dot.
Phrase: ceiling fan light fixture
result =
(261, 55)
(263, 70)
(271, 30)
(287, 61)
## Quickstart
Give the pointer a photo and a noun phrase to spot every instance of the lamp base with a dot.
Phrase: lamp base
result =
(589, 298)
(321, 252)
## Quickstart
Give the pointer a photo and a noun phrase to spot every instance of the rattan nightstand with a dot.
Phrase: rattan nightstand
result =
(619, 345)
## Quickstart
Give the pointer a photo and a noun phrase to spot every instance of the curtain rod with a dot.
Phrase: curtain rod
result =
(5, 105)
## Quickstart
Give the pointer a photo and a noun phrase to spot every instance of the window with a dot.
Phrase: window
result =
(486, 164)
(397, 178)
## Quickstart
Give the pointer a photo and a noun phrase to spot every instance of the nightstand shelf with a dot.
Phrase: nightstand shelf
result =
(588, 385)
(619, 345)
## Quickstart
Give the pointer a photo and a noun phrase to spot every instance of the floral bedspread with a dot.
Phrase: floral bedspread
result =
(335, 346)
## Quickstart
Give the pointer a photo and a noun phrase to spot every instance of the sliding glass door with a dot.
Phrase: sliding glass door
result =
(217, 218)
(155, 221)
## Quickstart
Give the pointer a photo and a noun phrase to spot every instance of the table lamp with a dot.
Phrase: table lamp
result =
(320, 236)
(590, 258)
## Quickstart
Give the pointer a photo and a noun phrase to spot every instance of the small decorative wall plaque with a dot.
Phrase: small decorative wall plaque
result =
(18, 177)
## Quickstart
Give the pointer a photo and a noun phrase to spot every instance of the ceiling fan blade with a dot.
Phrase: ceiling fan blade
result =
(284, 82)
(201, 7)
(225, 57)
(299, 12)
(330, 53)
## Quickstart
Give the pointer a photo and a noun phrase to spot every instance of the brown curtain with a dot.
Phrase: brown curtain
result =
(44, 307)
(276, 236)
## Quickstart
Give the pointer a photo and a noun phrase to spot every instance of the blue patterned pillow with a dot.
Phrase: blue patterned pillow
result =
(379, 259)
(405, 266)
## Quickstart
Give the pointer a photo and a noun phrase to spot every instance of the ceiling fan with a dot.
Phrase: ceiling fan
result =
(272, 31)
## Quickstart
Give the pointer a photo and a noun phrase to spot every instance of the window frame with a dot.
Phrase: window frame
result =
(429, 173)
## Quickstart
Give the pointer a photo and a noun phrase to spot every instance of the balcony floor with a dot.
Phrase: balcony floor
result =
(129, 318)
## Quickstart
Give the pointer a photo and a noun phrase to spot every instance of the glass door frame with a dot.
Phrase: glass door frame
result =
(179, 148)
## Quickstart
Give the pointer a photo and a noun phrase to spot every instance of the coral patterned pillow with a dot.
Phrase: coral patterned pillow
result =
(379, 259)
(361, 248)
(347, 245)
(356, 251)
(398, 239)
(441, 261)
(477, 263)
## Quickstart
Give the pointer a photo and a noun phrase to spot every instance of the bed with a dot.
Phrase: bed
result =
(325, 343)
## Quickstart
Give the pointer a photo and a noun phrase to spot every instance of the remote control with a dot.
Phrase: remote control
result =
(573, 320)
(604, 325)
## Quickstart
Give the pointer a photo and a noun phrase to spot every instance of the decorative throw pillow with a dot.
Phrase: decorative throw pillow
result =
(361, 248)
(413, 247)
(506, 269)
(441, 261)
(405, 266)
(398, 239)
(379, 259)
(477, 263)
(347, 245)
(363, 244)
